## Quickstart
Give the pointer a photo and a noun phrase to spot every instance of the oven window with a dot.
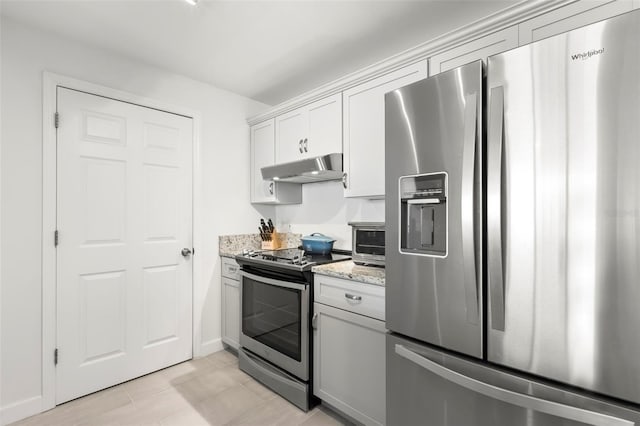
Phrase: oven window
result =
(271, 315)
(370, 242)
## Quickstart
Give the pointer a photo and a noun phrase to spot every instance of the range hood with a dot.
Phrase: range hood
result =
(315, 169)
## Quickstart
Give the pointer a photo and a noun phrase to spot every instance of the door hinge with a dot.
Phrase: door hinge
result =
(56, 119)
(55, 356)
(56, 238)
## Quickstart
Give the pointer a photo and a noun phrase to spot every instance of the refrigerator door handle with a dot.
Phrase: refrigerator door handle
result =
(466, 207)
(494, 208)
(510, 397)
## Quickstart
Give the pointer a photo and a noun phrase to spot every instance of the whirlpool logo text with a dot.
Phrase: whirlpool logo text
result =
(587, 55)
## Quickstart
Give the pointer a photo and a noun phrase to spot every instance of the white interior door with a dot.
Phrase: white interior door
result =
(124, 213)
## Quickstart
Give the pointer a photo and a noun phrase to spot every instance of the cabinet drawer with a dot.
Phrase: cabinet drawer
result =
(352, 296)
(230, 268)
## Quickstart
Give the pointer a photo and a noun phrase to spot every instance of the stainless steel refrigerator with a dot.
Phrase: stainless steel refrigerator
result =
(513, 237)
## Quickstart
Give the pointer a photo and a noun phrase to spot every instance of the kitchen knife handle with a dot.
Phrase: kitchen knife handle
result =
(528, 402)
(494, 209)
(467, 210)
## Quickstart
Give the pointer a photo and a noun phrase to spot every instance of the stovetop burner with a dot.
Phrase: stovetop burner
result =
(292, 258)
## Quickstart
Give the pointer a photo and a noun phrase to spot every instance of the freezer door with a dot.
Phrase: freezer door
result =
(563, 208)
(433, 223)
(431, 388)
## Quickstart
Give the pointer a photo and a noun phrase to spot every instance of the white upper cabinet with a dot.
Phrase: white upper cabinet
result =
(291, 129)
(570, 17)
(480, 48)
(363, 134)
(262, 155)
(310, 131)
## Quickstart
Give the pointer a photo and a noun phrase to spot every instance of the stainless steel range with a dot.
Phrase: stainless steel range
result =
(276, 300)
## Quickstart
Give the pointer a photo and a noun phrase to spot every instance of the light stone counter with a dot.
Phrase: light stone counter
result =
(231, 245)
(350, 271)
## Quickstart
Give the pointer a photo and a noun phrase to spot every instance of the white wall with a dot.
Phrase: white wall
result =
(324, 209)
(26, 53)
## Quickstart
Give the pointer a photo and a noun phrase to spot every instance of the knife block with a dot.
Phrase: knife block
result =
(274, 243)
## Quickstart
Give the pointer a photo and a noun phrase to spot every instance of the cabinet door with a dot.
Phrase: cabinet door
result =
(570, 17)
(349, 363)
(481, 48)
(262, 154)
(363, 121)
(291, 129)
(324, 134)
(231, 312)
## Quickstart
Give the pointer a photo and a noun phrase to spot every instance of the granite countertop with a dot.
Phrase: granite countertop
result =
(350, 271)
(231, 245)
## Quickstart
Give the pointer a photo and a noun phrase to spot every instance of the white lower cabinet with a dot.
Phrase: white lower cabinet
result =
(349, 362)
(230, 303)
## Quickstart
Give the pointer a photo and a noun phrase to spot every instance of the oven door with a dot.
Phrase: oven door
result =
(274, 317)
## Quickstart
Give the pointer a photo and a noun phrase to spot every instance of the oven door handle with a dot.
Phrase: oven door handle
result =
(265, 280)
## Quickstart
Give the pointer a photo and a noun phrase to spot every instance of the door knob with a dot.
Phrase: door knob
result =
(186, 252)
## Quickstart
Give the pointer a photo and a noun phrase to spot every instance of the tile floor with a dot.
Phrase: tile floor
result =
(206, 391)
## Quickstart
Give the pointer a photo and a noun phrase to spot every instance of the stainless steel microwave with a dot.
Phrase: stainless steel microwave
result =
(368, 243)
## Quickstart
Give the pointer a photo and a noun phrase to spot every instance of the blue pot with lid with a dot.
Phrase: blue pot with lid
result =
(317, 243)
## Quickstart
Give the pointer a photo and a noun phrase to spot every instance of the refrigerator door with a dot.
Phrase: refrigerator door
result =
(433, 228)
(563, 208)
(429, 387)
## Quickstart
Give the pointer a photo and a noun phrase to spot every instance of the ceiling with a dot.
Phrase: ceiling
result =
(266, 50)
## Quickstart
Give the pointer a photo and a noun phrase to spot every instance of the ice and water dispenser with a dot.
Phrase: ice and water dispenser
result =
(423, 214)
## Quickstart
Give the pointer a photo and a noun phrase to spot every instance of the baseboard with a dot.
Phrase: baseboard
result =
(211, 346)
(20, 410)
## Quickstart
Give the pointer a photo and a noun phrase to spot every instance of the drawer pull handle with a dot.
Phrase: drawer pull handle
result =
(232, 269)
(352, 297)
